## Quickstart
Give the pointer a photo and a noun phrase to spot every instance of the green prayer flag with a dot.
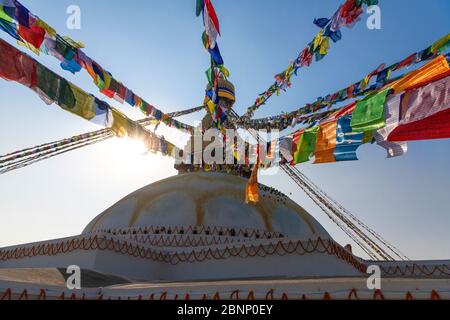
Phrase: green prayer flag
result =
(369, 113)
(4, 16)
(204, 38)
(47, 82)
(199, 7)
(210, 76)
(100, 83)
(63, 48)
(437, 47)
(370, 2)
(143, 107)
(306, 145)
(66, 98)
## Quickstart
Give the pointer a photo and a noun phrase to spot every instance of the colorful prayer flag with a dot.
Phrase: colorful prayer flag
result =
(369, 113)
(251, 189)
(326, 142)
(306, 145)
(393, 149)
(347, 141)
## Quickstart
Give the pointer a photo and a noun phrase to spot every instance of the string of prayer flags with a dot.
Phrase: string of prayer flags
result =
(357, 89)
(346, 15)
(387, 118)
(17, 66)
(36, 35)
(429, 70)
(217, 72)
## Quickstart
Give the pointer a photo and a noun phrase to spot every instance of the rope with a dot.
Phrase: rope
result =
(49, 145)
(380, 251)
(42, 156)
(391, 247)
(320, 205)
(15, 160)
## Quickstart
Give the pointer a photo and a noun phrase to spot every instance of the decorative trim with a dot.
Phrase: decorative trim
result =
(179, 241)
(378, 294)
(244, 250)
(194, 230)
(98, 242)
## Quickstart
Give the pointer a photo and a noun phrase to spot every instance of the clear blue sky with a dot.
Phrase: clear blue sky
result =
(154, 47)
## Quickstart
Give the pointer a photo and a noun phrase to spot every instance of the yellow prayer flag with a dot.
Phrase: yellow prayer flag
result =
(440, 43)
(50, 31)
(324, 46)
(84, 103)
(317, 40)
(120, 123)
(73, 43)
(29, 46)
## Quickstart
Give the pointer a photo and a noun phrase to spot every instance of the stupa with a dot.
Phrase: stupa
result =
(193, 236)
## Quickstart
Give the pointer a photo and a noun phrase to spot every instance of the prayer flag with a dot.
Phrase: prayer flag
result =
(369, 113)
(306, 145)
(394, 149)
(347, 141)
(326, 142)
(251, 189)
(424, 113)
(433, 68)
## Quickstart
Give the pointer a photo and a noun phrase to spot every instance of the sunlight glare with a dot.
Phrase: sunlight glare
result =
(130, 146)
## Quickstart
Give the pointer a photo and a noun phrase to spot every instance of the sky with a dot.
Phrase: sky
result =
(155, 48)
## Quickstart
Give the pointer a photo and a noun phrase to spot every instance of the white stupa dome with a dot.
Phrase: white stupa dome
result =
(207, 199)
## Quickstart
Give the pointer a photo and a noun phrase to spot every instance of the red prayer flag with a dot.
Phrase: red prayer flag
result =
(436, 126)
(17, 66)
(406, 62)
(212, 15)
(34, 35)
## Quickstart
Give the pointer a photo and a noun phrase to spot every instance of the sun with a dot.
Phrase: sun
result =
(131, 147)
